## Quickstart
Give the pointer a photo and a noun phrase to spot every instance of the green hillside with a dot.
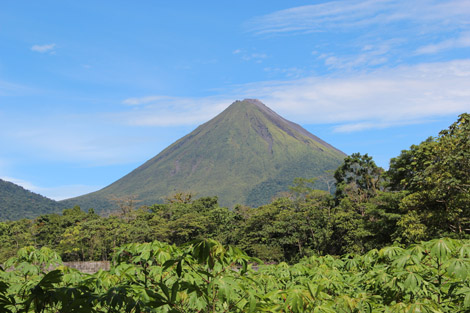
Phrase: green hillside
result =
(17, 202)
(246, 155)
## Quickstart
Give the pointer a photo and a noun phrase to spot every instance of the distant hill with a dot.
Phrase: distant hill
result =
(247, 154)
(17, 203)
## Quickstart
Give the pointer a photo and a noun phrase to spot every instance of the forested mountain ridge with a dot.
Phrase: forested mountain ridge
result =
(17, 202)
(247, 154)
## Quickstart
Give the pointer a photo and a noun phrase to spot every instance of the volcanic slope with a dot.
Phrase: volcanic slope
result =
(245, 155)
(17, 203)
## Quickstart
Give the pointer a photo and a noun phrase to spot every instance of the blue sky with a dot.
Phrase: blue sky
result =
(89, 90)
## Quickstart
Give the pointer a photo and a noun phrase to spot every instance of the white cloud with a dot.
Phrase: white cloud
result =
(257, 57)
(172, 111)
(348, 128)
(355, 127)
(370, 55)
(312, 18)
(144, 100)
(25, 184)
(44, 48)
(110, 138)
(463, 41)
(250, 56)
(291, 72)
(68, 191)
(382, 98)
(8, 89)
(350, 14)
(358, 34)
(55, 193)
(86, 139)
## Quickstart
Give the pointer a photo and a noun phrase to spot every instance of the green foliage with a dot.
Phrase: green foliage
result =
(436, 177)
(205, 276)
(358, 177)
(289, 227)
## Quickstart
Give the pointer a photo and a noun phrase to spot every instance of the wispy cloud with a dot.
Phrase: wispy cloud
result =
(257, 57)
(361, 126)
(381, 98)
(44, 48)
(291, 72)
(20, 182)
(144, 100)
(108, 138)
(171, 111)
(370, 55)
(66, 191)
(85, 139)
(463, 41)
(350, 14)
(8, 88)
(55, 193)
(250, 56)
(358, 34)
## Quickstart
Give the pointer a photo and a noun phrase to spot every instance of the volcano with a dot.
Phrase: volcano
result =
(245, 155)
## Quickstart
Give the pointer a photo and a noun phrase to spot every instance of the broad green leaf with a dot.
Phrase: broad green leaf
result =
(441, 248)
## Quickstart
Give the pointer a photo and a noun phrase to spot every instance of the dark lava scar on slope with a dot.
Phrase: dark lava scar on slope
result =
(263, 131)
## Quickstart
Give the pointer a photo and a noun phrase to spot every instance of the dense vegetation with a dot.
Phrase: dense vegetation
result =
(403, 236)
(204, 276)
(17, 202)
(424, 195)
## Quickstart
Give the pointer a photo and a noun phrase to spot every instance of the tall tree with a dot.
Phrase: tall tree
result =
(358, 181)
(358, 177)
